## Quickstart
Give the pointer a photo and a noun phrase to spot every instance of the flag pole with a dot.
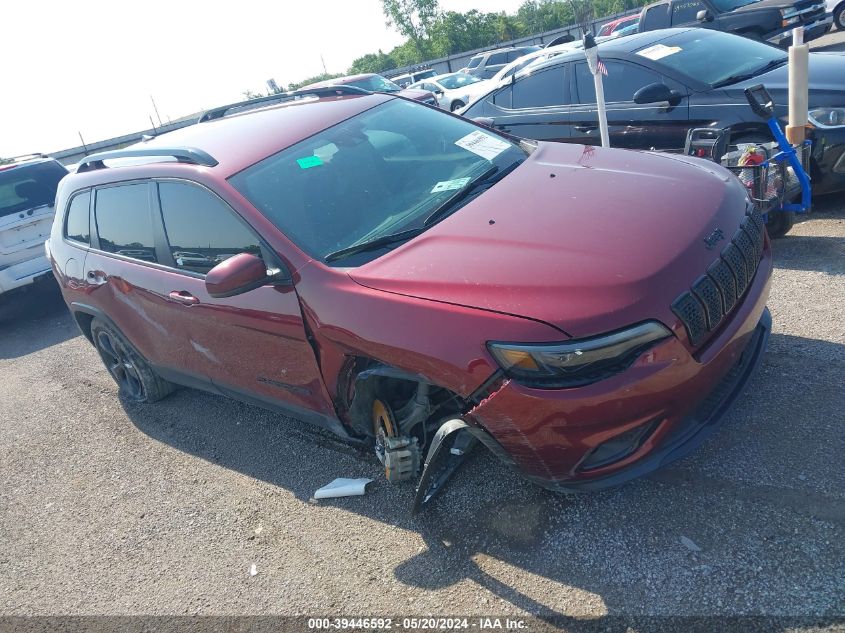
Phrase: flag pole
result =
(592, 53)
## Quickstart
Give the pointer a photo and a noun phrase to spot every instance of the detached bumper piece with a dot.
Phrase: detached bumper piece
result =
(714, 294)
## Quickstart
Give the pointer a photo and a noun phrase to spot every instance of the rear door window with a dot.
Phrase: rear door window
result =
(202, 230)
(125, 221)
(541, 89)
(622, 81)
(497, 58)
(657, 17)
(77, 225)
(475, 61)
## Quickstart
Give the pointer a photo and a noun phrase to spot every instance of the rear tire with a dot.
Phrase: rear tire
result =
(779, 223)
(136, 380)
(839, 17)
(455, 105)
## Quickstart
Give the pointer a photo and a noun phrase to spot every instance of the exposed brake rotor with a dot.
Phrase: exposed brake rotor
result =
(400, 455)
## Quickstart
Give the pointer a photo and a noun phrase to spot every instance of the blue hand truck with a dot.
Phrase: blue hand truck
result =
(779, 185)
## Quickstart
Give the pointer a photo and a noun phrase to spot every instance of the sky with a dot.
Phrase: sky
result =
(90, 67)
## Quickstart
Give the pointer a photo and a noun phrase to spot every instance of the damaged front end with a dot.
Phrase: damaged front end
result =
(408, 417)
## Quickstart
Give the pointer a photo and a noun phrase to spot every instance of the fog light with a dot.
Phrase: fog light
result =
(618, 447)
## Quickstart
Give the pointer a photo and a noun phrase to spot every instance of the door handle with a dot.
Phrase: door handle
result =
(586, 128)
(184, 297)
(96, 277)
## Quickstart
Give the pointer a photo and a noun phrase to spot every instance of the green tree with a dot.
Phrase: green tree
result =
(412, 18)
(373, 63)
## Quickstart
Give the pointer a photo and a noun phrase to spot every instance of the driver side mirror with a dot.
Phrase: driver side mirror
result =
(704, 16)
(238, 274)
(657, 93)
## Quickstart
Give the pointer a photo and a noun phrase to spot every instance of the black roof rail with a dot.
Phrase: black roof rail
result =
(188, 155)
(241, 106)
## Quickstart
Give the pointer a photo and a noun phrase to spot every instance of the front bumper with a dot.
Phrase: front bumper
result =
(550, 435)
(812, 31)
(25, 272)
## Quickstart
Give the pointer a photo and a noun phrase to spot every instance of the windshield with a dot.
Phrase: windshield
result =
(29, 186)
(730, 5)
(375, 83)
(458, 80)
(712, 57)
(383, 171)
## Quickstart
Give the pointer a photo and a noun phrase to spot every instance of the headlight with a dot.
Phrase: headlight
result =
(578, 362)
(827, 117)
(788, 21)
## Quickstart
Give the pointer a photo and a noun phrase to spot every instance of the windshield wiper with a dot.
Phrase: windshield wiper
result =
(733, 79)
(483, 182)
(379, 242)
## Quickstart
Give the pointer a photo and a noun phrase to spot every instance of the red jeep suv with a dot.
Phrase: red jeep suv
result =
(415, 282)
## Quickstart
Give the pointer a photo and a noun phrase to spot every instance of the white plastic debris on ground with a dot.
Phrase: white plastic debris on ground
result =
(253, 570)
(343, 488)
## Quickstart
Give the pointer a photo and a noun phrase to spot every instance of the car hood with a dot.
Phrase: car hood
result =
(826, 82)
(416, 94)
(765, 4)
(582, 238)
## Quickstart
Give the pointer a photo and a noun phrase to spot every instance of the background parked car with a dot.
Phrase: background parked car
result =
(376, 83)
(488, 63)
(769, 20)
(411, 78)
(617, 25)
(453, 90)
(661, 84)
(27, 195)
(837, 9)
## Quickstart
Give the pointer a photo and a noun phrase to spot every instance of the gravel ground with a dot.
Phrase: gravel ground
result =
(107, 508)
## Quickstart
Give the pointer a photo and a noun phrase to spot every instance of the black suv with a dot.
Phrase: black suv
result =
(766, 20)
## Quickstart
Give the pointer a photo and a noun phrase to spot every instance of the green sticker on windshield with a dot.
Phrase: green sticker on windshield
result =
(309, 161)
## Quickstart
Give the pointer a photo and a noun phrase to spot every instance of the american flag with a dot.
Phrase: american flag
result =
(601, 67)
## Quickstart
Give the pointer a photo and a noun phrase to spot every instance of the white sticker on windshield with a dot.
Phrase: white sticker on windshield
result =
(448, 185)
(659, 51)
(482, 144)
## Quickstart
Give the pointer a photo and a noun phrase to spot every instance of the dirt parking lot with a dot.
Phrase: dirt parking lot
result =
(107, 508)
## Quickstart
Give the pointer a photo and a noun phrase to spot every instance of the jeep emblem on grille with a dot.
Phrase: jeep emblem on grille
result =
(714, 238)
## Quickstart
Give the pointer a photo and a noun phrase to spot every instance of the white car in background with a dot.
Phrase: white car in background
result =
(27, 195)
(454, 90)
(837, 8)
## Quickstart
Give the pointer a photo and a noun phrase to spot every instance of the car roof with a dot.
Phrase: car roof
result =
(625, 45)
(28, 159)
(240, 140)
(503, 50)
(338, 80)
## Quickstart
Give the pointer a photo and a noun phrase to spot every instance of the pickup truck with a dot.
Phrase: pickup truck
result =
(27, 198)
(766, 20)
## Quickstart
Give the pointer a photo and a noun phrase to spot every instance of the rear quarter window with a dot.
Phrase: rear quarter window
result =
(656, 17)
(78, 222)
